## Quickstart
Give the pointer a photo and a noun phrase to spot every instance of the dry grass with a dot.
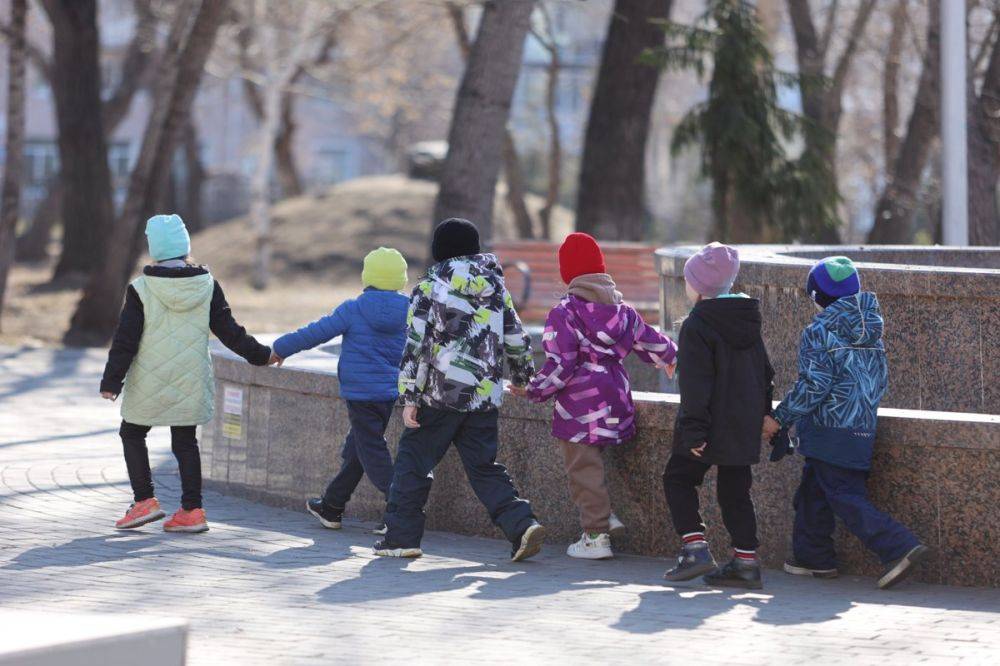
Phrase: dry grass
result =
(319, 243)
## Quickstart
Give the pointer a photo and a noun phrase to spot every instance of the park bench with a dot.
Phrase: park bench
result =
(531, 269)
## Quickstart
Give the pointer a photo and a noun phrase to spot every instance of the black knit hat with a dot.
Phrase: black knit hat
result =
(454, 237)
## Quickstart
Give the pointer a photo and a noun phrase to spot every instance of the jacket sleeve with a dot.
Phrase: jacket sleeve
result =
(562, 348)
(696, 379)
(814, 382)
(769, 378)
(231, 334)
(516, 344)
(652, 346)
(416, 359)
(125, 344)
(311, 335)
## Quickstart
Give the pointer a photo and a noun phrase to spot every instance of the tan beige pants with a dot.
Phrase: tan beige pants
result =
(587, 487)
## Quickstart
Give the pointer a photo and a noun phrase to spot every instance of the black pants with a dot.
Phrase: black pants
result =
(183, 442)
(421, 449)
(681, 480)
(365, 452)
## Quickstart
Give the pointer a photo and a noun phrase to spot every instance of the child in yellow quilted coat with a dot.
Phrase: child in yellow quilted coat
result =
(159, 362)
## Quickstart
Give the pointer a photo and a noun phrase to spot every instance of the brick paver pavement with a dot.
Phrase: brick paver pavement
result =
(268, 586)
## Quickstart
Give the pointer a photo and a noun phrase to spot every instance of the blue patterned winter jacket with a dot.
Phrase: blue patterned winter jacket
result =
(842, 376)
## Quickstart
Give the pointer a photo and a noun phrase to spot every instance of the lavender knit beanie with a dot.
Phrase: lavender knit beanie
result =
(712, 270)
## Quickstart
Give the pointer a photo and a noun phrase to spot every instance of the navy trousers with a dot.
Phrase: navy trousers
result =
(474, 435)
(827, 491)
(365, 452)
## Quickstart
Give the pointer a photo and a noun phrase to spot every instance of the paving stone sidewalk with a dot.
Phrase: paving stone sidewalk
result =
(268, 586)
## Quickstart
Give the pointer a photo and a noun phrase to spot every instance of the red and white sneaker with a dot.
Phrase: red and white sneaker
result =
(187, 521)
(140, 513)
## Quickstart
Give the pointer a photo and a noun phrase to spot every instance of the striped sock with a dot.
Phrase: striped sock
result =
(693, 537)
(745, 555)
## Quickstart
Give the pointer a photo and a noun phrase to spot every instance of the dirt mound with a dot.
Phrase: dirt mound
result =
(324, 237)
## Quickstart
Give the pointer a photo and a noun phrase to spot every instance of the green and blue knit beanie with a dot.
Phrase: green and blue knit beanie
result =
(832, 278)
(167, 237)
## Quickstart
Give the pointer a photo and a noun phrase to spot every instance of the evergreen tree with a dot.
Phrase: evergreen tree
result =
(759, 192)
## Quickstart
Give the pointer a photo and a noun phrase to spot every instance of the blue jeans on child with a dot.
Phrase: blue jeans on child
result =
(365, 452)
(828, 490)
(421, 449)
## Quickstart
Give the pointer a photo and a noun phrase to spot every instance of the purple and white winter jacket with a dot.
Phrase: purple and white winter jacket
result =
(585, 345)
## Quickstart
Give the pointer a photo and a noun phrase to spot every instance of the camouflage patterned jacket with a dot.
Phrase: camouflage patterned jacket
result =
(461, 325)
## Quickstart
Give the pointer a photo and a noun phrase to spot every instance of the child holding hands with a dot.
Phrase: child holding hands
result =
(373, 327)
(159, 360)
(587, 337)
(725, 386)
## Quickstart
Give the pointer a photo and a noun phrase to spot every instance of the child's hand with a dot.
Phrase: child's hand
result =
(770, 428)
(519, 391)
(698, 451)
(275, 360)
(410, 416)
(670, 369)
(108, 395)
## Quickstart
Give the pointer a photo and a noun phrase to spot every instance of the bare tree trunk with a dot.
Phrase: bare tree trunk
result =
(482, 108)
(984, 156)
(76, 83)
(10, 193)
(260, 185)
(823, 104)
(890, 84)
(284, 149)
(185, 56)
(195, 170)
(552, 118)
(611, 199)
(516, 188)
(896, 207)
(33, 244)
(511, 160)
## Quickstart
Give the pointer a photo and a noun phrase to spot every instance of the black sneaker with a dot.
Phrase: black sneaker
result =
(897, 571)
(737, 573)
(793, 567)
(385, 548)
(329, 517)
(695, 559)
(530, 543)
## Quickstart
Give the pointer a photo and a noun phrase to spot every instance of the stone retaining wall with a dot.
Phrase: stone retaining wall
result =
(937, 472)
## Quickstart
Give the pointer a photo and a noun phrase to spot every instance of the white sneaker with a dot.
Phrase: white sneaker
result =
(616, 528)
(587, 548)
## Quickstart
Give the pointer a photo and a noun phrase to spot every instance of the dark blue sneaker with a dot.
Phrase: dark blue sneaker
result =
(695, 560)
(903, 567)
(737, 573)
(330, 518)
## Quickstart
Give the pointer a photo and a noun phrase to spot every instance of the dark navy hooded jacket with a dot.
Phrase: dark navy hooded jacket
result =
(842, 376)
(373, 327)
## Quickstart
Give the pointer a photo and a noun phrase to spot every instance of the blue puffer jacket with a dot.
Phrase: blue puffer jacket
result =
(373, 327)
(842, 376)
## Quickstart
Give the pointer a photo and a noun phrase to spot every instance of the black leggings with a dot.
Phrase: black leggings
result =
(681, 480)
(183, 442)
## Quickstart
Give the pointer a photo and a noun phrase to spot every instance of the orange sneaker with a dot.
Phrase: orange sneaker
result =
(187, 521)
(140, 513)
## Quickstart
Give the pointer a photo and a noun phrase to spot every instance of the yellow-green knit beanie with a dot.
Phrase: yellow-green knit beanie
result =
(384, 269)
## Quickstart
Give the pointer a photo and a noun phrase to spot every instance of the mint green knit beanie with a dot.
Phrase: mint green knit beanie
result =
(167, 237)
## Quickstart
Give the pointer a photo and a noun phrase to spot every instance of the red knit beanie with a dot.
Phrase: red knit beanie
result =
(578, 255)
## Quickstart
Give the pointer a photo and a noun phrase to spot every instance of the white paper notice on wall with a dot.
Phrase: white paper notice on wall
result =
(232, 412)
(232, 401)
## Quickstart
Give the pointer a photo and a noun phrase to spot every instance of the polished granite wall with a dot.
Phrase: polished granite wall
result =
(942, 332)
(939, 473)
